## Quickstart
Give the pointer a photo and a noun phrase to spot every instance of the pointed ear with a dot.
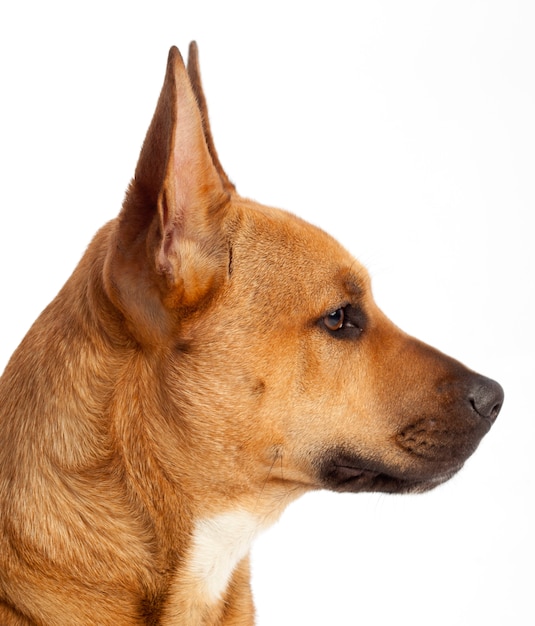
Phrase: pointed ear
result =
(194, 72)
(169, 252)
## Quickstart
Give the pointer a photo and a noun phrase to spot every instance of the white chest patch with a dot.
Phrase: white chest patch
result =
(219, 544)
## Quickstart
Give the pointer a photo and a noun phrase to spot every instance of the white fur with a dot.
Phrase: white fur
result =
(219, 544)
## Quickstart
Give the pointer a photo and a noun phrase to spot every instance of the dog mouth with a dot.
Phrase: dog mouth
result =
(348, 473)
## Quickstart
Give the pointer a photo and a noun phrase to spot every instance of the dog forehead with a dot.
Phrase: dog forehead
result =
(278, 247)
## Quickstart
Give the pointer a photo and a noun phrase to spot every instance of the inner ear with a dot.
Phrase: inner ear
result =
(192, 196)
(170, 247)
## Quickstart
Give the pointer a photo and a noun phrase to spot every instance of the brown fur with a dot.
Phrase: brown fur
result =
(187, 370)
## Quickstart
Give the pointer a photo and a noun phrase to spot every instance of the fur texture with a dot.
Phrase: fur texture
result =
(209, 360)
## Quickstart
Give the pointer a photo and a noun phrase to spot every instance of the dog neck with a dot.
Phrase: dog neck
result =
(217, 559)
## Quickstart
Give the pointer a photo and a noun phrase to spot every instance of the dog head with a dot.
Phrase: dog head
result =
(273, 364)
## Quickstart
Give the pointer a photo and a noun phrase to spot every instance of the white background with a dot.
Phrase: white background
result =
(404, 128)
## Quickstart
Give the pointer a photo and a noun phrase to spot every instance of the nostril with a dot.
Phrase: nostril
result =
(495, 410)
(486, 397)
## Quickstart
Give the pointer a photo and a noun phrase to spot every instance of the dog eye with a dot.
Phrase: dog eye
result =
(335, 320)
(346, 322)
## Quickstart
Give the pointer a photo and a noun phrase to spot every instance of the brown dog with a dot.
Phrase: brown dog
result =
(209, 360)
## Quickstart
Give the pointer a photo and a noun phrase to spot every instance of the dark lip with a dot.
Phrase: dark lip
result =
(353, 475)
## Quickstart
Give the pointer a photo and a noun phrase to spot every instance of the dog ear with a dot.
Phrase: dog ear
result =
(169, 252)
(194, 72)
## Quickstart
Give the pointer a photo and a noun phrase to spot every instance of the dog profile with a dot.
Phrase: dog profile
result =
(209, 360)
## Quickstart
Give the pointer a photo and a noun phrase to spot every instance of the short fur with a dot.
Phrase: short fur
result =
(209, 360)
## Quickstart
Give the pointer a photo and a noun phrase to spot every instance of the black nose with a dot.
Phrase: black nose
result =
(486, 397)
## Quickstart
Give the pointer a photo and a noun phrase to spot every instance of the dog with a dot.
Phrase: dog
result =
(209, 361)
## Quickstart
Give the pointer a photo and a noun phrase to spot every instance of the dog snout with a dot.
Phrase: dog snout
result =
(486, 397)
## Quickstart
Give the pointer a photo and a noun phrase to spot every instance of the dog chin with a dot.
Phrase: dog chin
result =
(344, 473)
